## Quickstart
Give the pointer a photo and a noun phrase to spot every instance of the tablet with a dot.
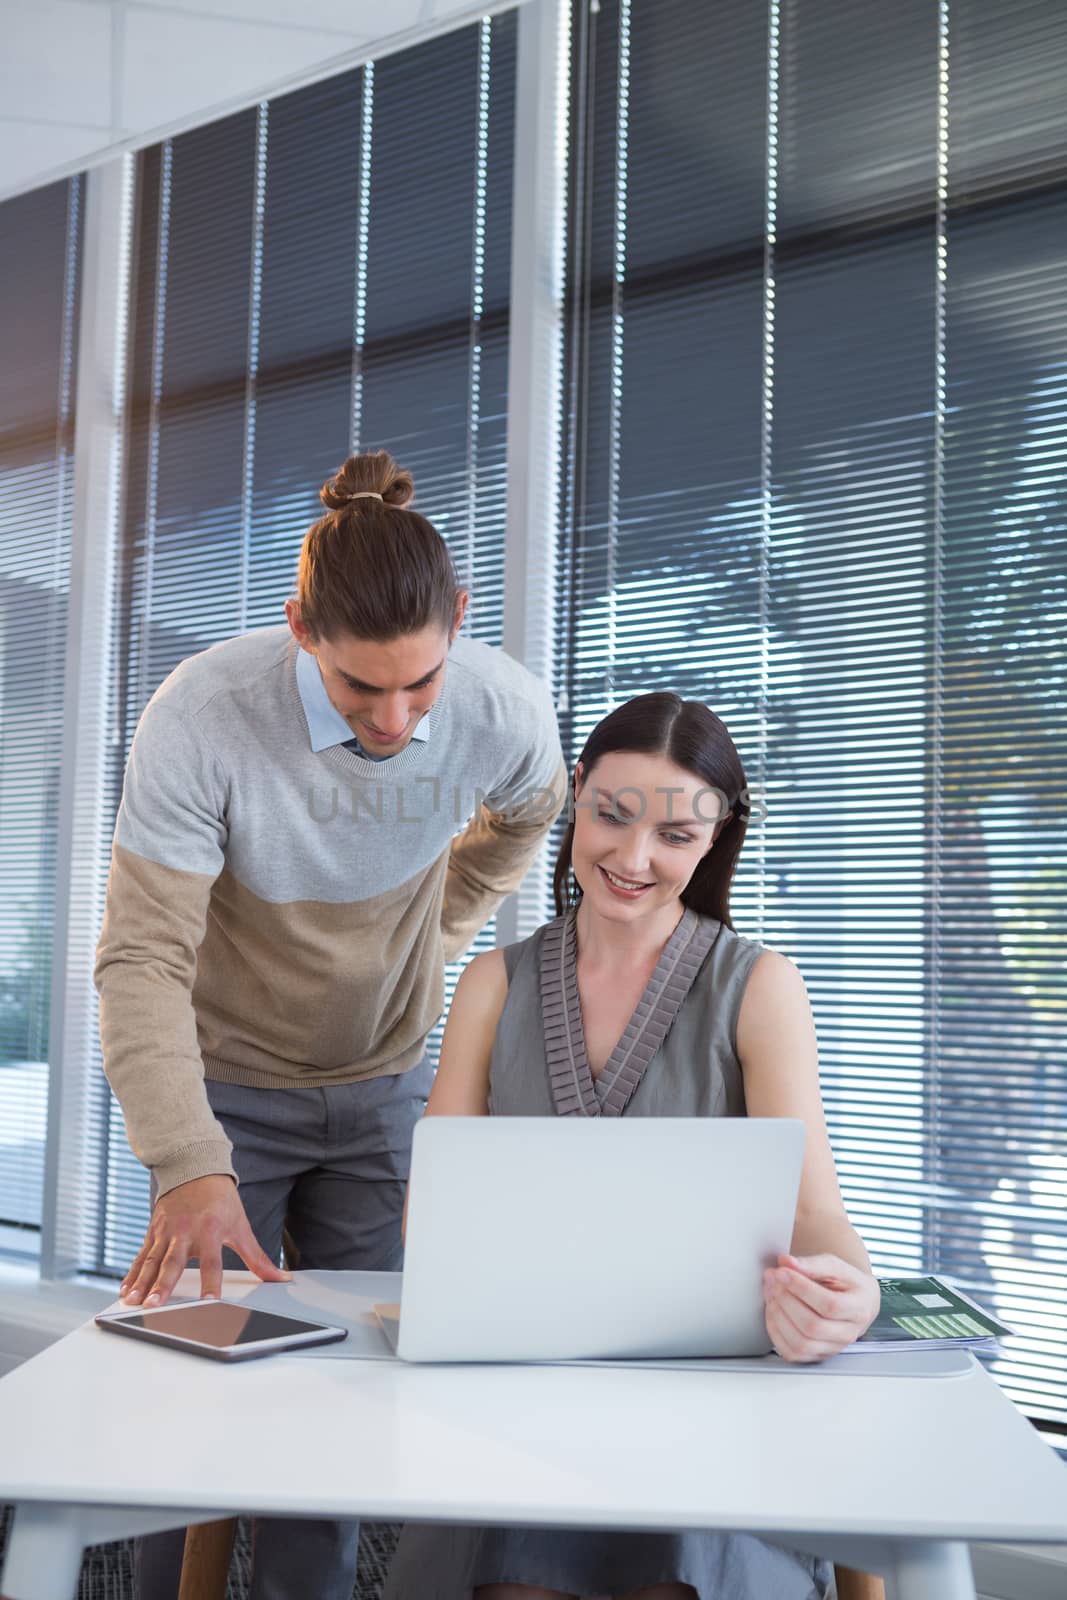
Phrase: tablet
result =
(223, 1330)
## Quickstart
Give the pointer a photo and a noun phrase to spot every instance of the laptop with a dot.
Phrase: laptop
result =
(550, 1239)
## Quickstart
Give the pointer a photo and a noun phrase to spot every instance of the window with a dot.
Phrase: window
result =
(39, 237)
(325, 272)
(817, 477)
(815, 474)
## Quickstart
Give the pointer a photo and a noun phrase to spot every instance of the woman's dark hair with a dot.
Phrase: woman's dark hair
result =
(696, 740)
(370, 567)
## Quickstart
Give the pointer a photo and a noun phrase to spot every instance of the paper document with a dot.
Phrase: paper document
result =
(927, 1313)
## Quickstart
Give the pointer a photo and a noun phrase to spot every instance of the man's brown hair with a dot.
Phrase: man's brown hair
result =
(371, 568)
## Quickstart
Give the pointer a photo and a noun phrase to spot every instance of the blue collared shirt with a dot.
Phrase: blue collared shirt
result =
(325, 723)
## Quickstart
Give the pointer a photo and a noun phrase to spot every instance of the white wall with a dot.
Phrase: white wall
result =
(82, 80)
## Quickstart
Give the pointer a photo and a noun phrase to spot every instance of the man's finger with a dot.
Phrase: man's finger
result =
(137, 1264)
(210, 1273)
(131, 1278)
(132, 1273)
(258, 1261)
(146, 1277)
(171, 1268)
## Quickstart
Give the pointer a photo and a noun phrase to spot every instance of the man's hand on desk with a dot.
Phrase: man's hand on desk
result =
(195, 1219)
(816, 1305)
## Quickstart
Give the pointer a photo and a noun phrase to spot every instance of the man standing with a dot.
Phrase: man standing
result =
(288, 878)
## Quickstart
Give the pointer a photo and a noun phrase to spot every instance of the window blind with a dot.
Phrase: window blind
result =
(816, 477)
(326, 272)
(39, 251)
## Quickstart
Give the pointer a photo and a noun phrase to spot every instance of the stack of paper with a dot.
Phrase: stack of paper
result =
(927, 1313)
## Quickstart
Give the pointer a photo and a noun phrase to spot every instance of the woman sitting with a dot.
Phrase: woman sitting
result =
(642, 890)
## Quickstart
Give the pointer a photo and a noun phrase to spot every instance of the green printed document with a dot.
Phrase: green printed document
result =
(926, 1313)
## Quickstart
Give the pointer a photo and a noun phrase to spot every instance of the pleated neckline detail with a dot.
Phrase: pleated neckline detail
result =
(575, 1092)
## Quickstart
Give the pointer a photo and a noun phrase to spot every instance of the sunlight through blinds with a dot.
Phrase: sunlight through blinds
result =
(817, 477)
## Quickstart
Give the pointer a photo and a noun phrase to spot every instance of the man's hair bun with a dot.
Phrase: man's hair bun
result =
(366, 573)
(373, 473)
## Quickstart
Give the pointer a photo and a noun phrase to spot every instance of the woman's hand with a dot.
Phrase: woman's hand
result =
(816, 1305)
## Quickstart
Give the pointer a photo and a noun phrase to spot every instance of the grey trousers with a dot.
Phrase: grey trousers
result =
(330, 1165)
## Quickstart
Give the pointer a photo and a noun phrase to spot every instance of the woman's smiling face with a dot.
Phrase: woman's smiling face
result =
(641, 827)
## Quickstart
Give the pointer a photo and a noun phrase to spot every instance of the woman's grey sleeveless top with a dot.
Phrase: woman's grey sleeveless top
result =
(677, 1056)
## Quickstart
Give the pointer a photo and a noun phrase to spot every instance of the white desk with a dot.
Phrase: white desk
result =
(101, 1438)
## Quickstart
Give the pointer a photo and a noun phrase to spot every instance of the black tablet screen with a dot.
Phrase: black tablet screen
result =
(221, 1324)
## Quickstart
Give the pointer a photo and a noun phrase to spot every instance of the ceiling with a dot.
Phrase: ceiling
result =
(81, 80)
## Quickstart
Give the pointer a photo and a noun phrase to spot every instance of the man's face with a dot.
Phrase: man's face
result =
(382, 690)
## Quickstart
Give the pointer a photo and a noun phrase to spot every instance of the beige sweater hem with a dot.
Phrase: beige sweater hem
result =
(218, 1071)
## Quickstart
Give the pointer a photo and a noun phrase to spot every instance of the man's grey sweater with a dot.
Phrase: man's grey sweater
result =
(280, 917)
